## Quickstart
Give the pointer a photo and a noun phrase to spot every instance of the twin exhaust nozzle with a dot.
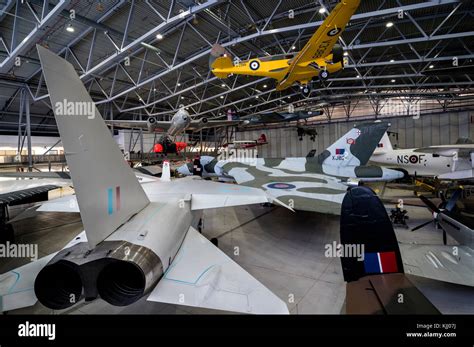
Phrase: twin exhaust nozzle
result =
(121, 276)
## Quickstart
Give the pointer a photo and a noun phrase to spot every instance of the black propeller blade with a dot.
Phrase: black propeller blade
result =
(442, 197)
(429, 204)
(422, 225)
(454, 199)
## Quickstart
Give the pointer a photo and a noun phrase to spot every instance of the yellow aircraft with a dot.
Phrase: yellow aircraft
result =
(320, 57)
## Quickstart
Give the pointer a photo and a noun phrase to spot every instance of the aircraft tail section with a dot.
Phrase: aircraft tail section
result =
(384, 145)
(220, 59)
(110, 194)
(262, 139)
(365, 226)
(371, 262)
(356, 146)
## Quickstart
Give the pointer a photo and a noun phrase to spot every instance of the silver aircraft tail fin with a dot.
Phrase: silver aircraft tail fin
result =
(109, 194)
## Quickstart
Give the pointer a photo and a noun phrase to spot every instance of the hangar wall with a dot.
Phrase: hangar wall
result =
(434, 129)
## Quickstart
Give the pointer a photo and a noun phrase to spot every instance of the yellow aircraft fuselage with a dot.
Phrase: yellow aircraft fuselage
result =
(320, 57)
(279, 69)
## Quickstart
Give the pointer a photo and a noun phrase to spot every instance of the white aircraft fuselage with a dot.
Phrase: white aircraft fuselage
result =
(414, 163)
(179, 123)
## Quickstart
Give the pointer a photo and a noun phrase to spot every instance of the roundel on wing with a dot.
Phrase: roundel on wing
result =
(254, 65)
(334, 32)
(413, 159)
(281, 186)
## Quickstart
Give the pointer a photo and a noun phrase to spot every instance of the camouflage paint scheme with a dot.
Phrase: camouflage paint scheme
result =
(316, 184)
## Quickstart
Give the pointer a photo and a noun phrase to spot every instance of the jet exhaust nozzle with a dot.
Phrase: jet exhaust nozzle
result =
(59, 285)
(130, 275)
(121, 283)
(119, 271)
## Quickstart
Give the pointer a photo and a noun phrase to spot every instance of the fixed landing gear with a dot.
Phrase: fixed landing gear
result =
(323, 75)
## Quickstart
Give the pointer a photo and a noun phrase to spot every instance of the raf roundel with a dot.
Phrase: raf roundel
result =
(254, 65)
(334, 32)
(413, 159)
(281, 186)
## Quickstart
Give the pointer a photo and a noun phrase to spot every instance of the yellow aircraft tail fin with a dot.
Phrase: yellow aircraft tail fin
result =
(220, 64)
(220, 59)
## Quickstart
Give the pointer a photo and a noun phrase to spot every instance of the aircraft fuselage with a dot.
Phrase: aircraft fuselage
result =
(179, 123)
(415, 163)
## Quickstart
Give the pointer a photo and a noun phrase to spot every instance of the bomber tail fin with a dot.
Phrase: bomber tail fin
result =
(109, 195)
(356, 146)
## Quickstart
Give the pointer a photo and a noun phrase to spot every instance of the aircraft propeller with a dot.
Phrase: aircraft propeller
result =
(445, 205)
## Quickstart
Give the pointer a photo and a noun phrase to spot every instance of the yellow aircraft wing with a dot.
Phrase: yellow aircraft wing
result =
(322, 42)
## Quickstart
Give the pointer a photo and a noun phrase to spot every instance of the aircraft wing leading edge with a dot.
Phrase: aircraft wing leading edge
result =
(321, 43)
(138, 124)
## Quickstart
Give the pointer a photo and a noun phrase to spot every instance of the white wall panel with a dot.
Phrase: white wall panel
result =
(429, 130)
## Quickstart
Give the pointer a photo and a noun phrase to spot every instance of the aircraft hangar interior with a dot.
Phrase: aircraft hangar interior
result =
(162, 157)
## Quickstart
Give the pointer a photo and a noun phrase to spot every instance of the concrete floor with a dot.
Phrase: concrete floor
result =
(283, 250)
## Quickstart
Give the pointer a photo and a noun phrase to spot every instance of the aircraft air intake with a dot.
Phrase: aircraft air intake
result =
(59, 285)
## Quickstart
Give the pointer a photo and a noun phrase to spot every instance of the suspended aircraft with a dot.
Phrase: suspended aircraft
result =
(280, 117)
(319, 58)
(179, 123)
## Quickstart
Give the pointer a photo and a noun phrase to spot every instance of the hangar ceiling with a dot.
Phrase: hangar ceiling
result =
(411, 60)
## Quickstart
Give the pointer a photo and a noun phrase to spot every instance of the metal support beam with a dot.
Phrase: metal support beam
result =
(32, 37)
(26, 100)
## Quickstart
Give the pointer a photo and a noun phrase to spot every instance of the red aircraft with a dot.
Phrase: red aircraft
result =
(175, 147)
(245, 144)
